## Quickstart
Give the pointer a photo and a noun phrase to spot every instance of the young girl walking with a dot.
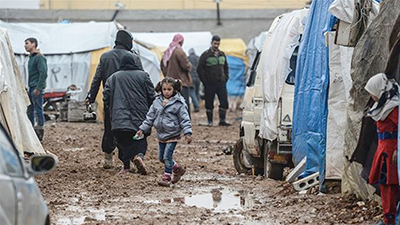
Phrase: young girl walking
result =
(169, 115)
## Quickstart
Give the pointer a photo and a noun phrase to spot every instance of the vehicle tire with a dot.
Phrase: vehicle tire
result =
(47, 220)
(272, 170)
(238, 157)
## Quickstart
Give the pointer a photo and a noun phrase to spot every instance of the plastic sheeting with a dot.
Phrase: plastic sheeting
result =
(274, 67)
(344, 9)
(56, 38)
(236, 84)
(234, 47)
(311, 92)
(339, 96)
(62, 71)
(14, 101)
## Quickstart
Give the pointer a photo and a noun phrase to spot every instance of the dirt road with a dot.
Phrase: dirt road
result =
(80, 191)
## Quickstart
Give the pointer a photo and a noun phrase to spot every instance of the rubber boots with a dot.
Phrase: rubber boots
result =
(39, 132)
(222, 116)
(209, 117)
(108, 162)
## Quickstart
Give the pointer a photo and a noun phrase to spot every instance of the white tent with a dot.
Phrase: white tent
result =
(68, 49)
(199, 41)
(14, 101)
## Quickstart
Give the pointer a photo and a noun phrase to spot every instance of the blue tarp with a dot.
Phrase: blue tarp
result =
(236, 84)
(311, 91)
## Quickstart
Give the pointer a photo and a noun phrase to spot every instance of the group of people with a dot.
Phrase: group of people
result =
(132, 106)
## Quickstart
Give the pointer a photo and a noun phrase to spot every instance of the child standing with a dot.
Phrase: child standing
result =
(169, 115)
(384, 165)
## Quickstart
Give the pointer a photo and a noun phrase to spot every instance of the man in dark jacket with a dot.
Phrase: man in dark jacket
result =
(109, 63)
(37, 70)
(128, 94)
(194, 91)
(214, 72)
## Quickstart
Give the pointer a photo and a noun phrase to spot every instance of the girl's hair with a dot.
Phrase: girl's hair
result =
(175, 83)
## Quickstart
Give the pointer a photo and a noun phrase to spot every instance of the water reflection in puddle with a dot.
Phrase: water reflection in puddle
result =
(90, 214)
(218, 199)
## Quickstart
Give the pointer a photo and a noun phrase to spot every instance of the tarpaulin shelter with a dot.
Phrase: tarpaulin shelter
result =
(235, 50)
(14, 101)
(73, 52)
(311, 91)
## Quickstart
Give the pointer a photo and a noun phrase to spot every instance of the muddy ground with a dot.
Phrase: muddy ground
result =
(80, 191)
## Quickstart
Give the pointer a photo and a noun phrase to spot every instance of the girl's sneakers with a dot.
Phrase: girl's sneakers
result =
(165, 180)
(177, 173)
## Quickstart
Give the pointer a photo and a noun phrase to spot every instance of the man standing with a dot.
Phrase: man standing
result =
(214, 72)
(37, 71)
(194, 91)
(128, 95)
(109, 63)
(175, 64)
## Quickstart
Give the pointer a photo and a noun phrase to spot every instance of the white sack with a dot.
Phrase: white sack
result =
(339, 96)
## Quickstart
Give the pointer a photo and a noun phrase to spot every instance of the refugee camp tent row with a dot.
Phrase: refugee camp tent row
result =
(14, 101)
(323, 101)
(73, 52)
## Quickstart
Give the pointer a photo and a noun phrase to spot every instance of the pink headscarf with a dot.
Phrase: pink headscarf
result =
(172, 46)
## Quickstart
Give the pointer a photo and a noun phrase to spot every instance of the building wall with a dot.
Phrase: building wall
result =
(244, 24)
(172, 4)
(19, 4)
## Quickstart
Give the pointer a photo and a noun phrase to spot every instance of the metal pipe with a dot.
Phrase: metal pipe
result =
(218, 15)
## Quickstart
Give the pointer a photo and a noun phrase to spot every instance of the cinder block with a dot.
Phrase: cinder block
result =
(306, 182)
(297, 171)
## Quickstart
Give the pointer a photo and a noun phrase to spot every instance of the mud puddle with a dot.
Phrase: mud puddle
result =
(216, 199)
(89, 214)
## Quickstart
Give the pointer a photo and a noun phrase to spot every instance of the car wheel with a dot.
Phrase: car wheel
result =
(47, 220)
(238, 157)
(272, 170)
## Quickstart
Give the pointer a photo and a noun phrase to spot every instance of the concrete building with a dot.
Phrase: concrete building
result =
(170, 4)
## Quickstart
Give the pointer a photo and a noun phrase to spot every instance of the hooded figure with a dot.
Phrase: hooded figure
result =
(109, 63)
(128, 94)
(384, 166)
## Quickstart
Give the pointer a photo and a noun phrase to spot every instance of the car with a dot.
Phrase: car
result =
(21, 202)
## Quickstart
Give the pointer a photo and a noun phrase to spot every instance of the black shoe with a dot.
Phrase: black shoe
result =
(224, 123)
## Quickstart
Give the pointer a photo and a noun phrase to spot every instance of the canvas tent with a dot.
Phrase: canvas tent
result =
(14, 101)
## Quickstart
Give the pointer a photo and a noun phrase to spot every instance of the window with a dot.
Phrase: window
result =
(253, 72)
(293, 60)
(10, 156)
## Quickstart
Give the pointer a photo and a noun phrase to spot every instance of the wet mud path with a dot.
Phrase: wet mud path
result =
(80, 191)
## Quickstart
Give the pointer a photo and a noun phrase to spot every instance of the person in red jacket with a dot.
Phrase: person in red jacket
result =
(385, 112)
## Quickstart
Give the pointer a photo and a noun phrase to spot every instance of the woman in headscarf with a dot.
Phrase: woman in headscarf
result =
(385, 112)
(175, 64)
